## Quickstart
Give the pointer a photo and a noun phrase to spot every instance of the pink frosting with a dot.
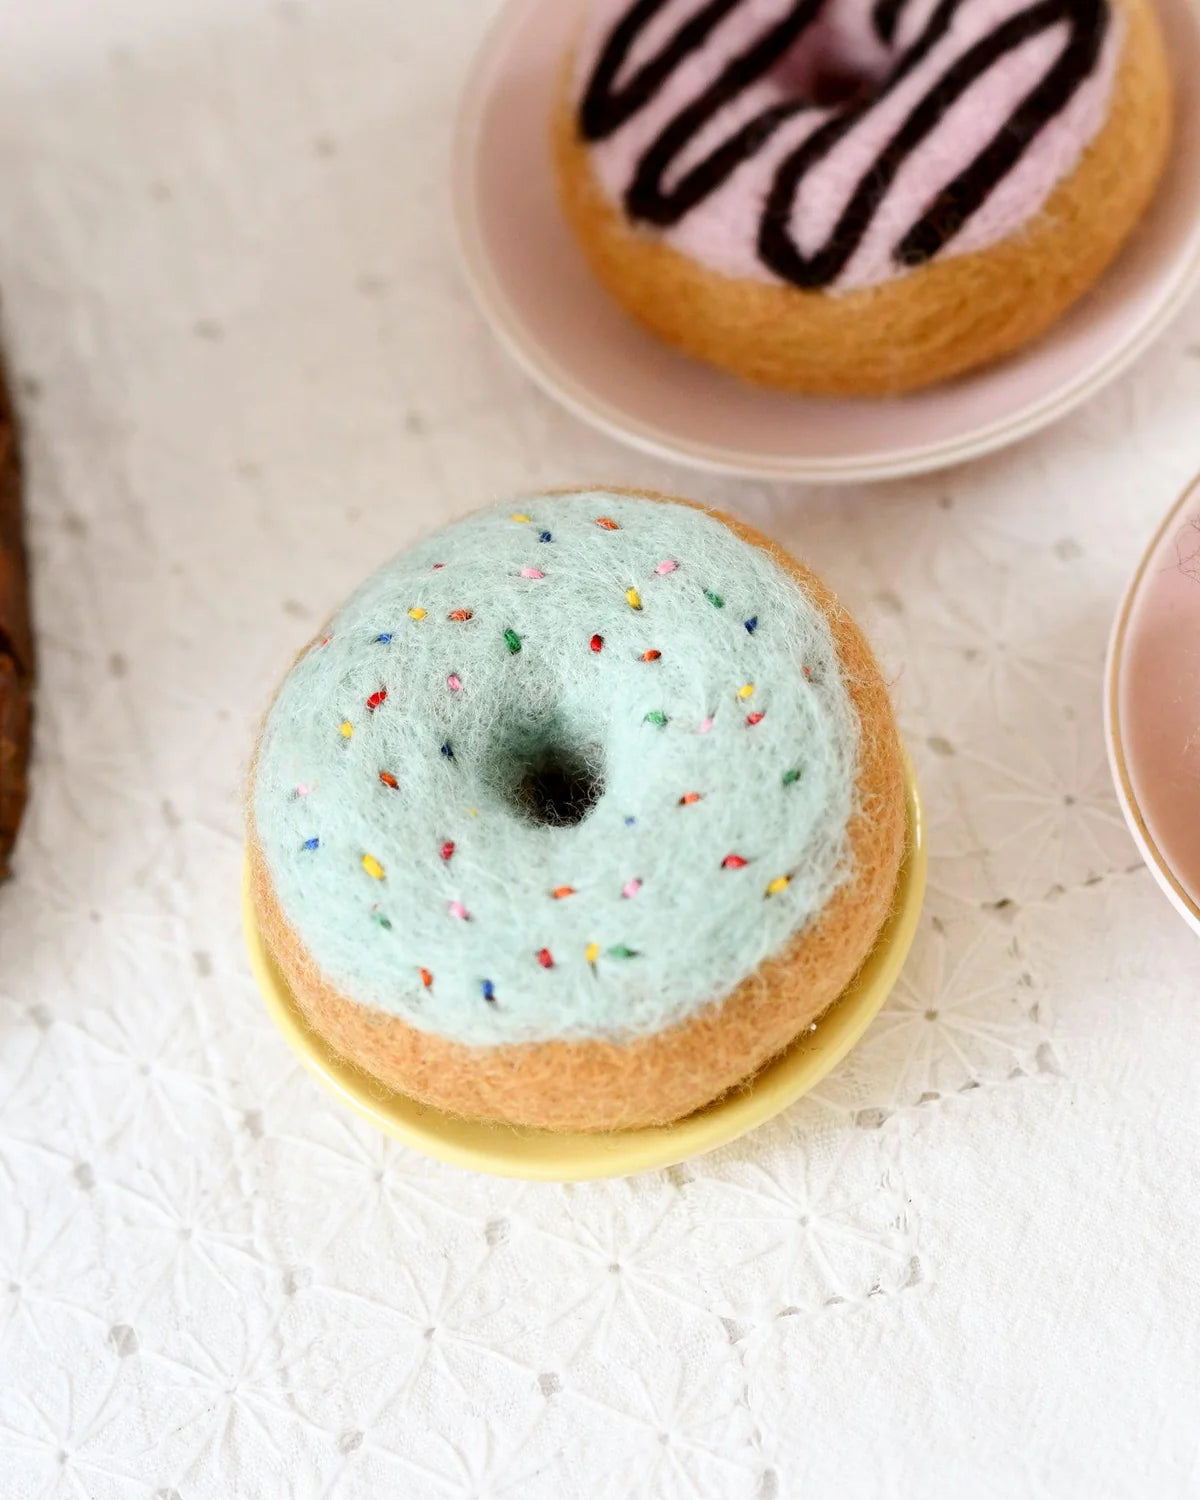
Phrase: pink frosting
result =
(721, 231)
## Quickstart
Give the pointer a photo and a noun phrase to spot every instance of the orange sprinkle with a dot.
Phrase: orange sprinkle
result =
(689, 797)
(459, 614)
(389, 780)
(651, 655)
(560, 892)
(607, 522)
(426, 977)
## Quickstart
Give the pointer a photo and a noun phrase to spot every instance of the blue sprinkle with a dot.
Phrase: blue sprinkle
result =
(313, 843)
(447, 751)
(489, 990)
(385, 639)
(544, 536)
(751, 624)
(629, 822)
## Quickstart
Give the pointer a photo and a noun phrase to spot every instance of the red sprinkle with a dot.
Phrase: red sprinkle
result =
(459, 614)
(689, 797)
(376, 699)
(607, 522)
(734, 862)
(651, 655)
(545, 958)
(447, 849)
(597, 643)
(561, 891)
(389, 780)
(426, 977)
(808, 671)
(755, 718)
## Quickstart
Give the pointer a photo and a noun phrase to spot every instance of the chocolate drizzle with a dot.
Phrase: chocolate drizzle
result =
(607, 106)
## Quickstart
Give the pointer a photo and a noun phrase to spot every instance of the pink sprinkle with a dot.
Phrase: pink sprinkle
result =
(631, 888)
(705, 725)
(457, 909)
(532, 573)
(668, 566)
(302, 790)
(454, 682)
(437, 567)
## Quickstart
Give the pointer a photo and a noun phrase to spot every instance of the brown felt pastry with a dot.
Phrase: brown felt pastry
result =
(16, 640)
(850, 199)
(577, 813)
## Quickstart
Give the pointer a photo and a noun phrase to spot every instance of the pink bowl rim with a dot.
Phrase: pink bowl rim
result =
(1182, 899)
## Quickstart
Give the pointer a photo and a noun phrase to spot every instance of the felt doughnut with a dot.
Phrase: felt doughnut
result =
(858, 196)
(577, 813)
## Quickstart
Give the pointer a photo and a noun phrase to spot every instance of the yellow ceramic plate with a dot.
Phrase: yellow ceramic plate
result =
(541, 1155)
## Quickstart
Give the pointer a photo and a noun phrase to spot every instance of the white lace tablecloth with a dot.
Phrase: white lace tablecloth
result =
(968, 1266)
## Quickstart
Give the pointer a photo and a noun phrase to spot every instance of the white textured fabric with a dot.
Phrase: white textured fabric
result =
(969, 1265)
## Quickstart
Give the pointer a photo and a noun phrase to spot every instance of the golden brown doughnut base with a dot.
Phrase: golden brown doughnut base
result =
(935, 322)
(599, 1085)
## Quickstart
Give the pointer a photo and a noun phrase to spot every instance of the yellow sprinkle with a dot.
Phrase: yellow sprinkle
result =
(416, 613)
(592, 952)
(473, 811)
(633, 598)
(519, 518)
(347, 729)
(372, 866)
(780, 883)
(745, 690)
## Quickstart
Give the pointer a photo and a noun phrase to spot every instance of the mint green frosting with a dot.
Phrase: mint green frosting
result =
(518, 825)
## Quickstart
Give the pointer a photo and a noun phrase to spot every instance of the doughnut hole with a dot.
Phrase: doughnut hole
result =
(833, 66)
(545, 773)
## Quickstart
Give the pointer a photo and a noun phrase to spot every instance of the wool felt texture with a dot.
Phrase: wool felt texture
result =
(583, 810)
(962, 117)
(16, 638)
(603, 1084)
(952, 314)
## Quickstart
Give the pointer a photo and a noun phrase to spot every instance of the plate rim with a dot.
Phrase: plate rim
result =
(504, 1151)
(550, 377)
(1182, 899)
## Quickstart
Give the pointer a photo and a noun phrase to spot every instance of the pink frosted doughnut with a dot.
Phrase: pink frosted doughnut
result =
(834, 145)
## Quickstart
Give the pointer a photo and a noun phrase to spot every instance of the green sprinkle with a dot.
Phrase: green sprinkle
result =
(790, 776)
(714, 599)
(378, 916)
(512, 640)
(619, 950)
(656, 716)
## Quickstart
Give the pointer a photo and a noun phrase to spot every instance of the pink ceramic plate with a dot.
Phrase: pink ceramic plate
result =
(1153, 705)
(533, 286)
